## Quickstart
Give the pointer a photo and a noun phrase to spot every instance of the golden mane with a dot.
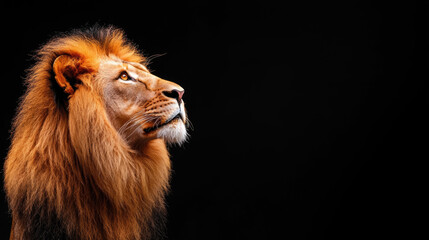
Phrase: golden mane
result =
(69, 174)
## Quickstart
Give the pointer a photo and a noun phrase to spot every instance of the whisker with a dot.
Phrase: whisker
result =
(134, 122)
(137, 115)
(189, 124)
(152, 57)
(137, 125)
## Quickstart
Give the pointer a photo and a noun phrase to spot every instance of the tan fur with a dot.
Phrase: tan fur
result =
(68, 167)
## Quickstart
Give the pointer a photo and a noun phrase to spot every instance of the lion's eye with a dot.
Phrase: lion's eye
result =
(124, 76)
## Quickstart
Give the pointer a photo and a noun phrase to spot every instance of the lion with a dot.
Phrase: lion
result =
(88, 156)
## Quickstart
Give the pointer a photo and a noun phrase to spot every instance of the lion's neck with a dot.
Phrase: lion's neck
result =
(128, 183)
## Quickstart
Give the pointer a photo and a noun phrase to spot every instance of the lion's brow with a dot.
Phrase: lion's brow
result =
(136, 65)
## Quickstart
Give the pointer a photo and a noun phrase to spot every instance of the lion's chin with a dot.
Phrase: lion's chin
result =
(173, 133)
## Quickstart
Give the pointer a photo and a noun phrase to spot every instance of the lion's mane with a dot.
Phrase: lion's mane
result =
(69, 174)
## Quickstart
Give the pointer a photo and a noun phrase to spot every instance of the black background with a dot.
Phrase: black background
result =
(309, 118)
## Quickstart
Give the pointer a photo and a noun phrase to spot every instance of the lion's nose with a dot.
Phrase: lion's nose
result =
(176, 94)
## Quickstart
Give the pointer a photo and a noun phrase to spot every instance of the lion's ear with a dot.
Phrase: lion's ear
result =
(66, 69)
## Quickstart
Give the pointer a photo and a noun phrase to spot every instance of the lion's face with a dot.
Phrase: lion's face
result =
(140, 105)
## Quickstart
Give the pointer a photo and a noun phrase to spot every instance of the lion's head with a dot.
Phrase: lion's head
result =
(140, 105)
(88, 158)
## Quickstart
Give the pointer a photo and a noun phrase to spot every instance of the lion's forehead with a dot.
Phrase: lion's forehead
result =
(115, 61)
(115, 65)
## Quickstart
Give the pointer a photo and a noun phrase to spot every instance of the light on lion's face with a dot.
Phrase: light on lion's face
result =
(140, 105)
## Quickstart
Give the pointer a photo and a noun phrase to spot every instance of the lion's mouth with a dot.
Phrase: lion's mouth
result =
(157, 126)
